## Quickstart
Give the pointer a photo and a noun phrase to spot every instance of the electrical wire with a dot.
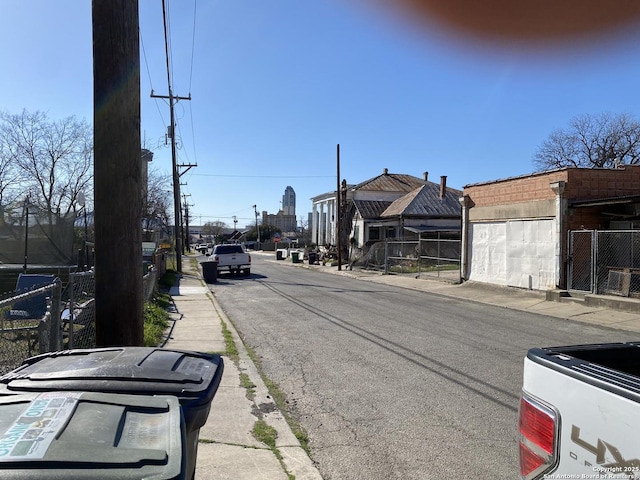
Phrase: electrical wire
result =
(193, 42)
(146, 63)
(260, 176)
(193, 49)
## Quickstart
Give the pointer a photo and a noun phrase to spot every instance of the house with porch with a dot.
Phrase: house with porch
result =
(361, 204)
(429, 209)
(388, 206)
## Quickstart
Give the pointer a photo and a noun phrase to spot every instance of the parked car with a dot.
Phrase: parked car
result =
(232, 258)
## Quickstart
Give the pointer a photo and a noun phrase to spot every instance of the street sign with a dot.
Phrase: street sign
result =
(276, 237)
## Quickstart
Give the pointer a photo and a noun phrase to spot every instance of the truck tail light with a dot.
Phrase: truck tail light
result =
(249, 257)
(538, 424)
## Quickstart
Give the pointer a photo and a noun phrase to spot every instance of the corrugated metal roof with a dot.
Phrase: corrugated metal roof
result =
(391, 182)
(371, 208)
(425, 201)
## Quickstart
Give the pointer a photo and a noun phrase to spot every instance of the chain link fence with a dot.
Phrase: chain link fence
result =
(29, 324)
(52, 318)
(429, 257)
(604, 262)
(79, 313)
(618, 263)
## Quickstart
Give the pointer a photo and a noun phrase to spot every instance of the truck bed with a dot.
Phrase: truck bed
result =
(614, 367)
(580, 412)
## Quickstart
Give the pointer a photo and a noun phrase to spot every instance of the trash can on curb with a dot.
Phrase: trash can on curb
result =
(279, 255)
(192, 377)
(210, 271)
(88, 435)
(295, 257)
(313, 258)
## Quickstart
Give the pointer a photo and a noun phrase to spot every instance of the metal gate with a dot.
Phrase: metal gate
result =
(581, 260)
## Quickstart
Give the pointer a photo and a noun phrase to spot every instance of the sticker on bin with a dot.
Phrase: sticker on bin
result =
(32, 433)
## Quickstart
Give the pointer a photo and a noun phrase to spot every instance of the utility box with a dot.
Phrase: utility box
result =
(87, 435)
(192, 377)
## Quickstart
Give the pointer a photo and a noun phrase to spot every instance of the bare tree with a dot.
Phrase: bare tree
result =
(9, 175)
(214, 229)
(54, 158)
(603, 140)
(158, 203)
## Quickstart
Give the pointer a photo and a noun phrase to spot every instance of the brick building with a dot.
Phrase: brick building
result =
(515, 230)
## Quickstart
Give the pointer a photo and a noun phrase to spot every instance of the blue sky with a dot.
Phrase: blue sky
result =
(276, 85)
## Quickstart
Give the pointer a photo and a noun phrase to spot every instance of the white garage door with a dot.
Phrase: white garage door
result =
(518, 253)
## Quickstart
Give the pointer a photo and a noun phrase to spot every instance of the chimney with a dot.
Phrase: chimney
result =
(385, 171)
(425, 176)
(443, 186)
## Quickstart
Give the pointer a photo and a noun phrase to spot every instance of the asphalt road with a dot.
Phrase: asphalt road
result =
(391, 383)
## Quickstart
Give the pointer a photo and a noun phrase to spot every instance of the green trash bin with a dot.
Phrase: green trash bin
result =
(295, 257)
(89, 435)
(210, 271)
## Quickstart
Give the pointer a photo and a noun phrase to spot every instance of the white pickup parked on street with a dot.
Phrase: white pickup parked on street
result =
(580, 412)
(232, 257)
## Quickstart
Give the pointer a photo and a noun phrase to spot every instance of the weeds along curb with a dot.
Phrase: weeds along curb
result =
(262, 431)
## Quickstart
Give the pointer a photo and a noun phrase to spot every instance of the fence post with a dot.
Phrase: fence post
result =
(419, 256)
(595, 237)
(386, 256)
(55, 333)
(72, 305)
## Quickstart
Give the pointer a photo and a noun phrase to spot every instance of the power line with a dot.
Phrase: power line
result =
(193, 42)
(146, 62)
(260, 176)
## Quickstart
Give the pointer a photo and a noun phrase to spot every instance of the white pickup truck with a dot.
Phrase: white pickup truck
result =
(232, 257)
(580, 412)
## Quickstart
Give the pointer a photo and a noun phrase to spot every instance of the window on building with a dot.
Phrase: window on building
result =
(391, 232)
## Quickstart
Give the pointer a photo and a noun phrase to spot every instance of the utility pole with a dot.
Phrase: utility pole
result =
(26, 234)
(338, 211)
(186, 220)
(255, 209)
(118, 225)
(176, 177)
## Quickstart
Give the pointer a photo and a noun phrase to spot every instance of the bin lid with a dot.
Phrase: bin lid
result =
(73, 435)
(193, 377)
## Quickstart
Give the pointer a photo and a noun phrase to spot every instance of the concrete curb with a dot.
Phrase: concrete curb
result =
(227, 448)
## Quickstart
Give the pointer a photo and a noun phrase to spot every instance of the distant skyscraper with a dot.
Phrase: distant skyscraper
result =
(289, 202)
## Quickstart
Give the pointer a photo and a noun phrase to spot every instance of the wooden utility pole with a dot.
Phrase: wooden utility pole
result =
(117, 173)
(177, 230)
(187, 239)
(338, 211)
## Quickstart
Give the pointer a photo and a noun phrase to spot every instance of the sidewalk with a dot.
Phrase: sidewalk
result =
(227, 448)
